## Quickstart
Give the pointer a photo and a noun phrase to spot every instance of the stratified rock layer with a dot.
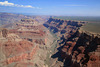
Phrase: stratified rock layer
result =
(77, 48)
(26, 45)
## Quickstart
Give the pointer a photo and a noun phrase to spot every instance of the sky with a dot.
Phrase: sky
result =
(52, 7)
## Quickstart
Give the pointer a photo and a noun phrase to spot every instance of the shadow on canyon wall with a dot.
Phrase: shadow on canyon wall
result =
(82, 41)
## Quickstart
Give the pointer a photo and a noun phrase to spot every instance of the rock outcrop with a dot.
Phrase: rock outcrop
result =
(3, 32)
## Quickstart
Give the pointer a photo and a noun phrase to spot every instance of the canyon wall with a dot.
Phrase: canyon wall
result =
(82, 50)
(75, 48)
(26, 45)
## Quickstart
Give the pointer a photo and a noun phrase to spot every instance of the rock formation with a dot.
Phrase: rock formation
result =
(25, 45)
(56, 43)
(76, 48)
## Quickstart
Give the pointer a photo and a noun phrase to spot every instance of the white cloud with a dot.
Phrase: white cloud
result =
(75, 5)
(6, 3)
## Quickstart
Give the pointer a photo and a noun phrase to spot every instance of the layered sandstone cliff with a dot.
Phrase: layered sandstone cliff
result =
(26, 45)
(83, 50)
(76, 47)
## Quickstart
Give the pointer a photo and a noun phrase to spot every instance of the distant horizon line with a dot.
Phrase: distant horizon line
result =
(34, 14)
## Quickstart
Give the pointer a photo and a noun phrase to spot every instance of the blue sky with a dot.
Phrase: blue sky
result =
(52, 7)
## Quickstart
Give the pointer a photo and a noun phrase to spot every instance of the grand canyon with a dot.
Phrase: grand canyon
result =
(44, 41)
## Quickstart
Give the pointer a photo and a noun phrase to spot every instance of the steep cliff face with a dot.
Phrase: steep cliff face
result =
(75, 48)
(63, 27)
(64, 30)
(83, 50)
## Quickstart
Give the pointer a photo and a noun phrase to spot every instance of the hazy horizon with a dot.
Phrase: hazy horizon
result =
(34, 14)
